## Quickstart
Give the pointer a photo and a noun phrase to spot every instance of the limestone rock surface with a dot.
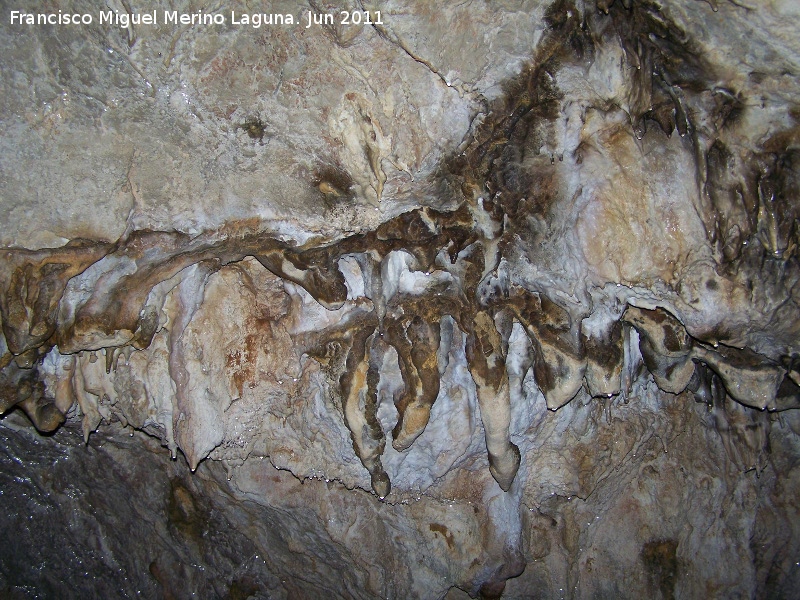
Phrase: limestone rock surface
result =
(475, 299)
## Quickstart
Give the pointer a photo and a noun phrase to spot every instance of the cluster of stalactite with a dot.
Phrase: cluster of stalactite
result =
(461, 251)
(89, 296)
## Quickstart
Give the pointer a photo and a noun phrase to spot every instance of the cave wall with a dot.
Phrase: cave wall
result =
(487, 299)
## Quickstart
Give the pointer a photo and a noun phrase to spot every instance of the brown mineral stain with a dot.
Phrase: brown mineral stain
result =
(183, 512)
(160, 574)
(242, 588)
(442, 529)
(661, 563)
(234, 363)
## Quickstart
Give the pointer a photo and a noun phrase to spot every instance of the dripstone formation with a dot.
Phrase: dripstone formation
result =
(547, 250)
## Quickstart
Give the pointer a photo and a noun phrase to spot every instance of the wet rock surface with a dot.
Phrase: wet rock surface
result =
(488, 300)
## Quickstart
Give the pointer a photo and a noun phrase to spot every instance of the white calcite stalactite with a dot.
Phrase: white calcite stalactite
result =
(196, 439)
(488, 368)
(87, 401)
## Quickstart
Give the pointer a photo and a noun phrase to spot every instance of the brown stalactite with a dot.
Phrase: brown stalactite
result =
(417, 345)
(665, 346)
(359, 383)
(32, 284)
(604, 362)
(559, 362)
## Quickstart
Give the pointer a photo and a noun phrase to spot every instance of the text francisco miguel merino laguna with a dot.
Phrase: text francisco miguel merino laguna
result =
(173, 17)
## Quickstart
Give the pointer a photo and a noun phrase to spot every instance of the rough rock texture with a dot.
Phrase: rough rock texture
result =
(487, 298)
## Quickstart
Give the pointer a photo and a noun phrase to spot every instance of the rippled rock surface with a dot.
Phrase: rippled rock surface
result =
(488, 299)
